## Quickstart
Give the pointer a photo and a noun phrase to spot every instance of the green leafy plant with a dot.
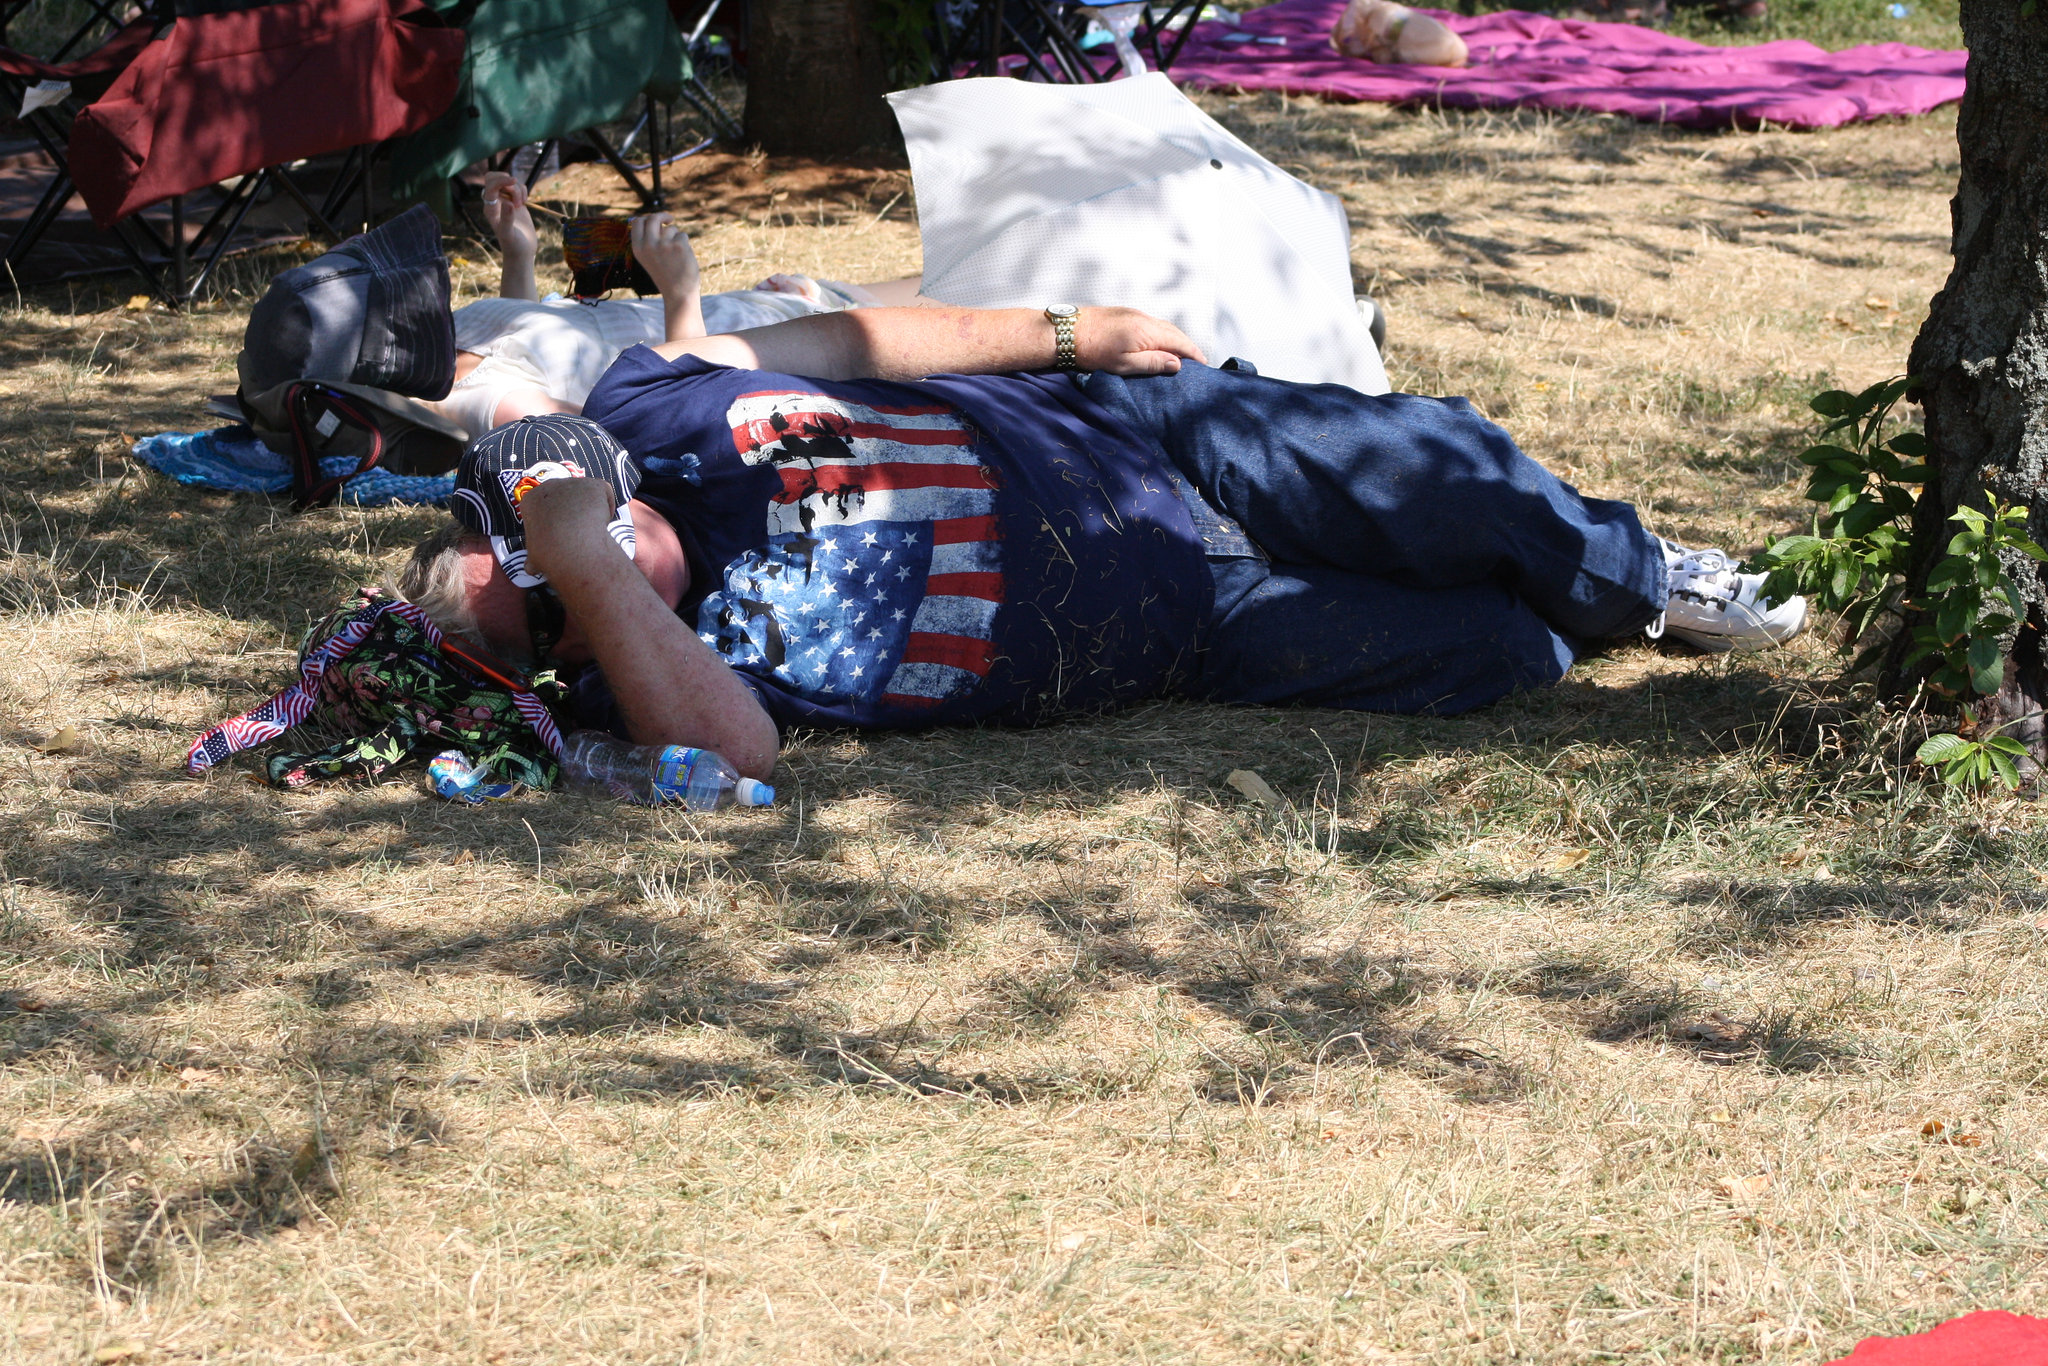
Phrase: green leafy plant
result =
(1865, 471)
(1974, 763)
(1856, 560)
(1970, 602)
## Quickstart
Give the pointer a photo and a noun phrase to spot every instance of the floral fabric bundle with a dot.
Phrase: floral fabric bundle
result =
(383, 676)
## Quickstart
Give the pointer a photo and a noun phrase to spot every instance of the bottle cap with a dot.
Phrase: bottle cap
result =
(751, 792)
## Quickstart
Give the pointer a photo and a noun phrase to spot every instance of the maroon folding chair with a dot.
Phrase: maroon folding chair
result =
(241, 96)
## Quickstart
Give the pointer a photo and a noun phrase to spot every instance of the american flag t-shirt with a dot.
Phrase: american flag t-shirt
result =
(881, 577)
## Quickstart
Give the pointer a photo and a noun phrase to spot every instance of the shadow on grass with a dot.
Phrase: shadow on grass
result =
(1611, 1005)
(1751, 917)
(123, 1231)
(660, 1003)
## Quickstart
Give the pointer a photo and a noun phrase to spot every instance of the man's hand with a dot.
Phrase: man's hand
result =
(506, 212)
(560, 515)
(664, 251)
(1124, 341)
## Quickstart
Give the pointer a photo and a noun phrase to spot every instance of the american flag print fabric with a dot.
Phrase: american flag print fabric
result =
(295, 704)
(882, 576)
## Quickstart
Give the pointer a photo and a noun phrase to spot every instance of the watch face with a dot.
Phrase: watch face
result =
(1062, 310)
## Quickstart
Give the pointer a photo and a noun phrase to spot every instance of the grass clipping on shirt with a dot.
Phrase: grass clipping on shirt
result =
(1638, 1020)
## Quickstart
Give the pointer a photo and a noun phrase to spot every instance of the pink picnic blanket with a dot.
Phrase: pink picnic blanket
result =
(1532, 59)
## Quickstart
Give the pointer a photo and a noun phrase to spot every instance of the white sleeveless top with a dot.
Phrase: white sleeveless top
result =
(562, 346)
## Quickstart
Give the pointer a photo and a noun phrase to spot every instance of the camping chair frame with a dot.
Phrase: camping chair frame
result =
(697, 94)
(170, 276)
(653, 121)
(648, 195)
(992, 32)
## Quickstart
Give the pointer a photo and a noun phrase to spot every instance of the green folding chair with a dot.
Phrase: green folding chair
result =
(537, 70)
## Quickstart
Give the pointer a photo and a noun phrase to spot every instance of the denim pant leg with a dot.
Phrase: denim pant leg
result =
(1422, 492)
(1315, 636)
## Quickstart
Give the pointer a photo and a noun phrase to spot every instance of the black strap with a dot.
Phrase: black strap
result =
(309, 489)
(546, 619)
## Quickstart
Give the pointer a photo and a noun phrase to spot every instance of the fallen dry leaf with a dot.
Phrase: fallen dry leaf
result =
(63, 742)
(1878, 301)
(948, 1307)
(197, 1075)
(120, 1351)
(1072, 1240)
(1255, 787)
(137, 303)
(1941, 1133)
(1569, 859)
(1740, 1188)
(1716, 1028)
(1719, 1115)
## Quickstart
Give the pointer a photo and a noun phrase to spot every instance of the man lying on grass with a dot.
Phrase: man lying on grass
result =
(897, 518)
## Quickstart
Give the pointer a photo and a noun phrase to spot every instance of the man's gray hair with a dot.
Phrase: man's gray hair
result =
(433, 581)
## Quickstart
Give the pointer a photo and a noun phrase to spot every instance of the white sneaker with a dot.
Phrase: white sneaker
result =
(1716, 607)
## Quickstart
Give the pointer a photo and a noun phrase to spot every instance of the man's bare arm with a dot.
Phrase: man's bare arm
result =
(671, 687)
(910, 343)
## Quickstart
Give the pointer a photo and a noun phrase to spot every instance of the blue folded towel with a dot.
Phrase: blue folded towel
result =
(231, 458)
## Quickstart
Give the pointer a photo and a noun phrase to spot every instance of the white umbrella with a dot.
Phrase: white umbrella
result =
(1126, 193)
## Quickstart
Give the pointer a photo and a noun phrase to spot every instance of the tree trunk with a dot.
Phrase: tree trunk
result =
(1982, 357)
(816, 74)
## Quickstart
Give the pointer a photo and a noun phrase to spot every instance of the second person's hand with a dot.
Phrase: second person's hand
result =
(664, 252)
(506, 212)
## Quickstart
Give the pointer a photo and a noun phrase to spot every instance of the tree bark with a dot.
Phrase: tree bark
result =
(1981, 360)
(816, 74)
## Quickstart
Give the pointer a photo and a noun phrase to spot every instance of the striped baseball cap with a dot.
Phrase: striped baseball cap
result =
(506, 463)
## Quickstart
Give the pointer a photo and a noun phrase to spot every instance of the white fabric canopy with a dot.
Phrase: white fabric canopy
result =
(1126, 193)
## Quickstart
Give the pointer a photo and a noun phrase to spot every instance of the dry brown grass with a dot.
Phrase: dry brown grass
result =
(1600, 1025)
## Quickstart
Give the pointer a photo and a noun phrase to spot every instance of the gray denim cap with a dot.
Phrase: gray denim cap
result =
(376, 311)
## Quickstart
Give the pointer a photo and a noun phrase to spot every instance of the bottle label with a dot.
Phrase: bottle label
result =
(672, 772)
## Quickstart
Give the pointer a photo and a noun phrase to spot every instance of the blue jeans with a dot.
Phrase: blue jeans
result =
(1396, 553)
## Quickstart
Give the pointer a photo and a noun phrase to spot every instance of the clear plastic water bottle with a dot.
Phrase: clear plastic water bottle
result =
(656, 775)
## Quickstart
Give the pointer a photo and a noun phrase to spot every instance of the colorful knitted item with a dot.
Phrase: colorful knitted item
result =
(383, 676)
(599, 254)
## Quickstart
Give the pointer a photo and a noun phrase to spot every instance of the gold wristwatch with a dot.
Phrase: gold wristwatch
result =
(1062, 316)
